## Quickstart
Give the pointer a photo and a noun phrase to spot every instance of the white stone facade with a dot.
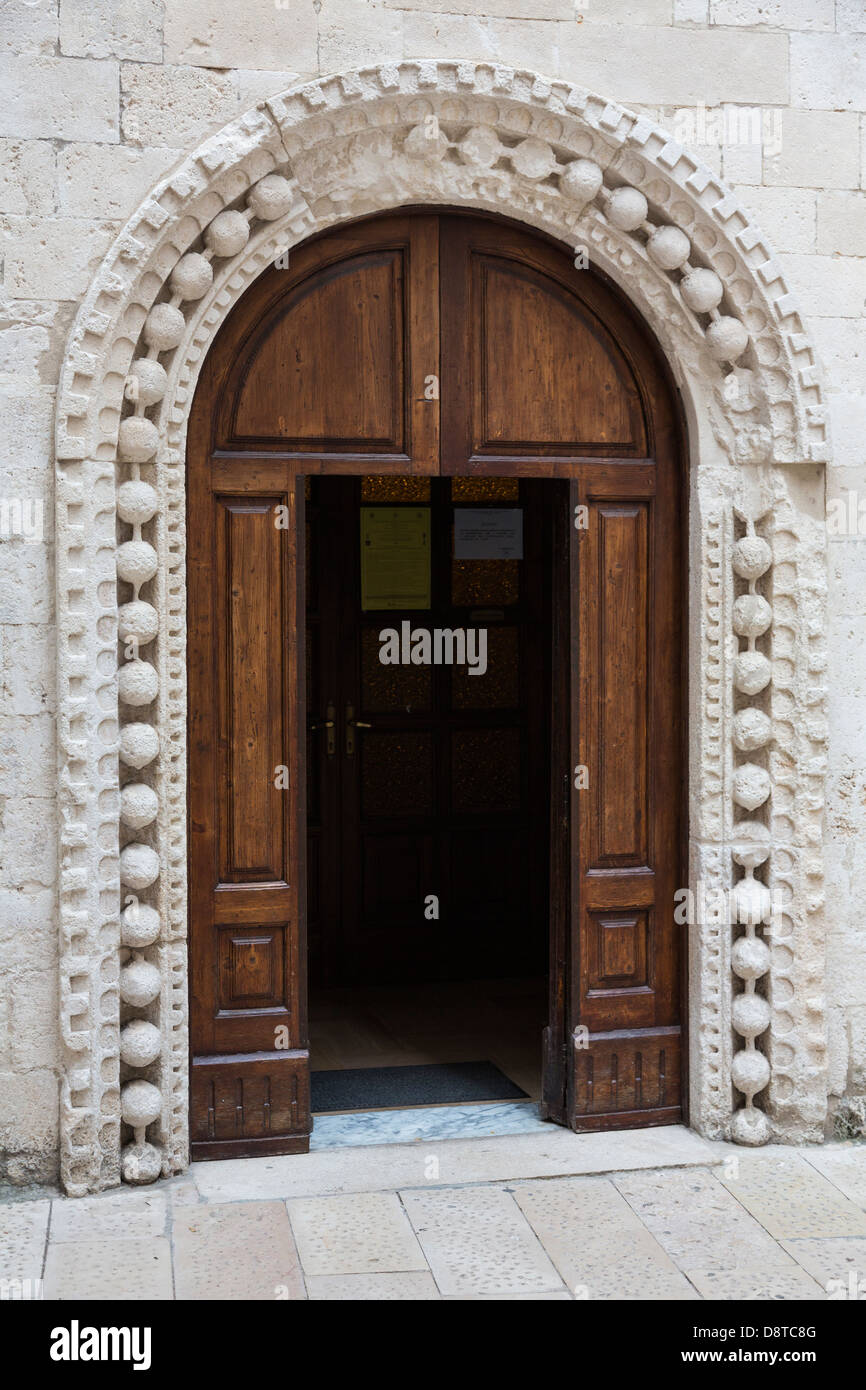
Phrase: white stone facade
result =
(123, 139)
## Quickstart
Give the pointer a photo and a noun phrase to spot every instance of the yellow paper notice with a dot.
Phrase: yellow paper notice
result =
(395, 557)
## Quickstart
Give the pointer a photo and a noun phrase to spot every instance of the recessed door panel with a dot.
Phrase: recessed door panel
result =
(616, 585)
(537, 360)
(347, 323)
(548, 378)
(332, 355)
(253, 737)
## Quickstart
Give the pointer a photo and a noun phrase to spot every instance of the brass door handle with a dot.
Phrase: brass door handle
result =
(329, 723)
(351, 725)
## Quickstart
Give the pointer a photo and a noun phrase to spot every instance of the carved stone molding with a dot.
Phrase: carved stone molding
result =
(616, 189)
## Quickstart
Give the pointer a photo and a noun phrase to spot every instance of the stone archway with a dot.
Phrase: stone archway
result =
(615, 188)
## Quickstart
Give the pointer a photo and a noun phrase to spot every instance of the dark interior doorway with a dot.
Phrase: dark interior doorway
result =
(428, 780)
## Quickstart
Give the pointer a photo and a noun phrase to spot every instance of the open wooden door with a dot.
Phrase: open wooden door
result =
(250, 1071)
(322, 364)
(547, 373)
(614, 1056)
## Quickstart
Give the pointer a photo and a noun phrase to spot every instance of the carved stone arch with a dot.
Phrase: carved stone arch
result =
(665, 229)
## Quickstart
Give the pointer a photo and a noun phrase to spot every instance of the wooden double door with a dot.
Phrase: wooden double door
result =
(433, 362)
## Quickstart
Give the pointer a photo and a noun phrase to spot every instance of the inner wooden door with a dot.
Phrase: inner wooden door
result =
(427, 810)
(433, 348)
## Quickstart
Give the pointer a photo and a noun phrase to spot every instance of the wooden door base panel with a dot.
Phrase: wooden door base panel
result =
(627, 1119)
(627, 1079)
(256, 1103)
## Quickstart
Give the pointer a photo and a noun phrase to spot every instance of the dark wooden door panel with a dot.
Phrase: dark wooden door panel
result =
(614, 615)
(332, 356)
(546, 376)
(534, 365)
(348, 319)
(253, 736)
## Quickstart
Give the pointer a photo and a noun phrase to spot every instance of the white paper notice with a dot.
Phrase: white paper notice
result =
(488, 533)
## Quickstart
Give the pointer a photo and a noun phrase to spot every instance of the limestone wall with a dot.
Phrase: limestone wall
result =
(101, 97)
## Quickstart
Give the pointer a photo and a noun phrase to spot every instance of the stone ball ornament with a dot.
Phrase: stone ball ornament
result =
(140, 1103)
(702, 290)
(140, 1043)
(627, 209)
(137, 562)
(669, 247)
(138, 439)
(137, 621)
(139, 744)
(139, 866)
(750, 1071)
(581, 181)
(482, 146)
(192, 277)
(750, 958)
(751, 786)
(139, 983)
(727, 339)
(137, 683)
(752, 729)
(227, 235)
(164, 327)
(140, 1163)
(270, 198)
(151, 381)
(751, 901)
(750, 1015)
(751, 843)
(752, 615)
(750, 1127)
(139, 805)
(752, 672)
(137, 502)
(139, 925)
(534, 159)
(752, 557)
(424, 143)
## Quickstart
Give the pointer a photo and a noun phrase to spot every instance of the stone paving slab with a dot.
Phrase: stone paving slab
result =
(699, 1223)
(478, 1241)
(123, 1214)
(240, 1251)
(598, 1244)
(792, 1199)
(356, 1233)
(838, 1263)
(844, 1167)
(107, 1269)
(23, 1235)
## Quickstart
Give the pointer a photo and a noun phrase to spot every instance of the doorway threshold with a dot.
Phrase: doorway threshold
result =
(483, 1120)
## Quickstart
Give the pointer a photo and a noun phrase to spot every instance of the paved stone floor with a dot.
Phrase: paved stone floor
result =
(657, 1214)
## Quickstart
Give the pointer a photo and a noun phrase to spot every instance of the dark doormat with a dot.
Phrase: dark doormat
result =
(390, 1088)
